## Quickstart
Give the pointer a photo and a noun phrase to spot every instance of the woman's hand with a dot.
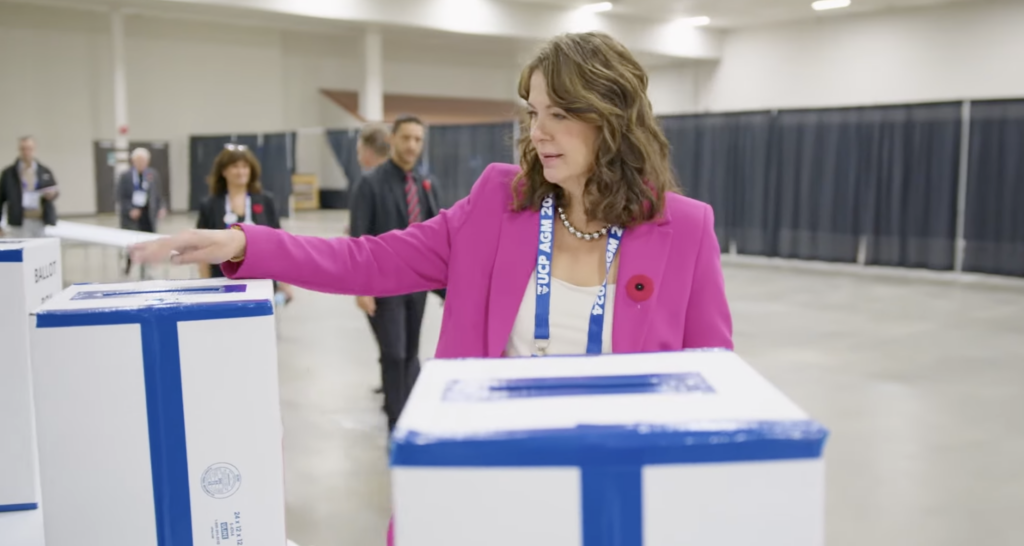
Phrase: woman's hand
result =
(197, 246)
(368, 304)
(286, 289)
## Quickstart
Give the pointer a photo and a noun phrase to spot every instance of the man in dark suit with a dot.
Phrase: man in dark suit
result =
(28, 189)
(372, 149)
(393, 196)
(139, 196)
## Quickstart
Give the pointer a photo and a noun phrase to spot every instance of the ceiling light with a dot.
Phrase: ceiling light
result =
(822, 5)
(598, 7)
(695, 21)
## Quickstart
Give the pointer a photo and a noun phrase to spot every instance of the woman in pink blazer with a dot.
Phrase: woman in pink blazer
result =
(590, 142)
(583, 248)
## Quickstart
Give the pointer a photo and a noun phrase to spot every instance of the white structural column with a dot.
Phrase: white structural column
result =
(371, 94)
(120, 95)
(961, 194)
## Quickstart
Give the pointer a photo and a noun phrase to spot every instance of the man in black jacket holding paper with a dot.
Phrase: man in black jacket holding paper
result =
(394, 196)
(29, 189)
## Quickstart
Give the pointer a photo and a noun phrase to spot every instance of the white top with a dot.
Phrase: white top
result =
(569, 320)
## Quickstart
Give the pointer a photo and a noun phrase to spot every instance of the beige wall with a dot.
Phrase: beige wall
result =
(962, 51)
(189, 77)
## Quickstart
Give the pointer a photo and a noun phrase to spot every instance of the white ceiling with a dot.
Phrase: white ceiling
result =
(401, 37)
(723, 13)
(742, 13)
(400, 40)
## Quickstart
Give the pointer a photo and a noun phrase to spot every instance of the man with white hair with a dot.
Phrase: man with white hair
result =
(139, 195)
(28, 189)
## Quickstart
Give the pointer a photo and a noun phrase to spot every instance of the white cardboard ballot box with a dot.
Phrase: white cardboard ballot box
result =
(158, 414)
(30, 274)
(662, 449)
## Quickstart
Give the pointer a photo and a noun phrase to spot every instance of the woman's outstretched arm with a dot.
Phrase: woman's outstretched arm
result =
(415, 259)
(398, 262)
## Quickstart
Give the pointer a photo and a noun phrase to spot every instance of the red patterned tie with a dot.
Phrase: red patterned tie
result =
(412, 199)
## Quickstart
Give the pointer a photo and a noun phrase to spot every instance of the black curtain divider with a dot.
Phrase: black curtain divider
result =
(343, 144)
(887, 173)
(458, 154)
(994, 224)
(721, 159)
(908, 163)
(812, 175)
(277, 159)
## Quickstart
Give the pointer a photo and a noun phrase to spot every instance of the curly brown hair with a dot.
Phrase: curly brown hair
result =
(227, 157)
(595, 79)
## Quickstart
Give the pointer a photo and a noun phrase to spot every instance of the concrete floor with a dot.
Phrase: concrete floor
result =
(920, 382)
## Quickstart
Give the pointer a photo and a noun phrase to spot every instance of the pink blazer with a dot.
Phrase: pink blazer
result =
(484, 254)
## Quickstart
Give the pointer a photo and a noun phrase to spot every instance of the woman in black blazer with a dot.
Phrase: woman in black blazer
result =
(236, 197)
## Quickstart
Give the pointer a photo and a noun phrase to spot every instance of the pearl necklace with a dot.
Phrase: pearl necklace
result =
(579, 234)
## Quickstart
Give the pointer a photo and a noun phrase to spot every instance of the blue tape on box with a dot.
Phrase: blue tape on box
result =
(165, 413)
(11, 255)
(614, 444)
(18, 507)
(613, 501)
(611, 458)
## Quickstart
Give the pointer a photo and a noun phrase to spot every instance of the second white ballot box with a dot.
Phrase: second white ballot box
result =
(159, 416)
(663, 449)
(30, 274)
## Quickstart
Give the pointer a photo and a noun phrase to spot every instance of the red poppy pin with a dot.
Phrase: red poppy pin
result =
(257, 208)
(426, 184)
(640, 288)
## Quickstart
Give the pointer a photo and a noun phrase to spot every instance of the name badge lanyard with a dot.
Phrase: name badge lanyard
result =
(30, 199)
(140, 191)
(230, 218)
(24, 186)
(542, 330)
(139, 181)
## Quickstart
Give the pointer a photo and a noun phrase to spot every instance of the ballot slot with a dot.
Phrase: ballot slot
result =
(192, 291)
(489, 390)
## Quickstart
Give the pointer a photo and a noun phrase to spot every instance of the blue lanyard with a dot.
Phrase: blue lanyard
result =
(137, 180)
(541, 328)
